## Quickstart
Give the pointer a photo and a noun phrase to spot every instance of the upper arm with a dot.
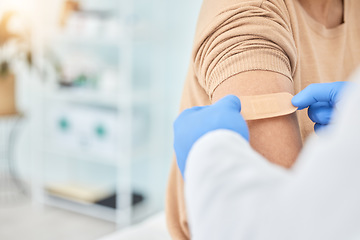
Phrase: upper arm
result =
(277, 139)
(248, 48)
(235, 36)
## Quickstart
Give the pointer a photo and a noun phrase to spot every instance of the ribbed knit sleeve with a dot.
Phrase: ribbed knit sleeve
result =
(235, 36)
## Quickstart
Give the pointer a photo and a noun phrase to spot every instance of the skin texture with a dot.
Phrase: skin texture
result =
(327, 12)
(277, 139)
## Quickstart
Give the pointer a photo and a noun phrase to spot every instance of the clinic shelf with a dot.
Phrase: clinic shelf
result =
(139, 212)
(83, 156)
(121, 94)
(139, 153)
(96, 98)
(83, 96)
(84, 40)
(94, 210)
(141, 31)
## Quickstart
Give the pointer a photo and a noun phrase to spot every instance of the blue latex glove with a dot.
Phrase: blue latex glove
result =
(321, 98)
(197, 121)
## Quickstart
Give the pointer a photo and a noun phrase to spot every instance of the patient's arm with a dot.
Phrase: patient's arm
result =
(277, 139)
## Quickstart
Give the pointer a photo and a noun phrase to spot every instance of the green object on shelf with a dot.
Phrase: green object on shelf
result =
(64, 124)
(80, 81)
(85, 81)
(100, 131)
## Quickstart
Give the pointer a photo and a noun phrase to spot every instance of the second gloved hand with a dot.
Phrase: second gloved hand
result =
(197, 121)
(321, 98)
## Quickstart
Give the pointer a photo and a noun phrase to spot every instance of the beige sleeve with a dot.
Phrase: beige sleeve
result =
(244, 35)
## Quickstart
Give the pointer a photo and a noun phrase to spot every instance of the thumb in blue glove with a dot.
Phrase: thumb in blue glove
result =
(321, 99)
(197, 121)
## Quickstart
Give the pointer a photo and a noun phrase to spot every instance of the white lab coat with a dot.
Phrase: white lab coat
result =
(234, 193)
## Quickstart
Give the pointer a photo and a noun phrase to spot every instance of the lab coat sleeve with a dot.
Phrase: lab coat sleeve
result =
(322, 198)
(226, 185)
(233, 193)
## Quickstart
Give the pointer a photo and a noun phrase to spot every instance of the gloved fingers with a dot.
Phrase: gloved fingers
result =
(318, 92)
(229, 102)
(320, 112)
(318, 127)
(243, 129)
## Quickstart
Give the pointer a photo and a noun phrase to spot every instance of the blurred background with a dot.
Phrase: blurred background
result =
(88, 93)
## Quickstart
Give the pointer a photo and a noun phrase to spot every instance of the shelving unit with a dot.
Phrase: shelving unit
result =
(91, 133)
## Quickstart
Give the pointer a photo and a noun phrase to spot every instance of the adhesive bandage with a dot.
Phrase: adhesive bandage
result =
(266, 106)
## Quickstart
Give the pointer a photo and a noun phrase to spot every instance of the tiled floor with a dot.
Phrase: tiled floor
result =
(20, 220)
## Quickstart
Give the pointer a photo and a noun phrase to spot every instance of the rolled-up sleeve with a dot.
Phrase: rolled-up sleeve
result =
(239, 36)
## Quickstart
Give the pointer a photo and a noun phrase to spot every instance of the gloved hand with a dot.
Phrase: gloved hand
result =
(321, 98)
(197, 121)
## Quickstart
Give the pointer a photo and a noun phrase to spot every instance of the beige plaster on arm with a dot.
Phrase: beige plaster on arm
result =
(278, 139)
(266, 105)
